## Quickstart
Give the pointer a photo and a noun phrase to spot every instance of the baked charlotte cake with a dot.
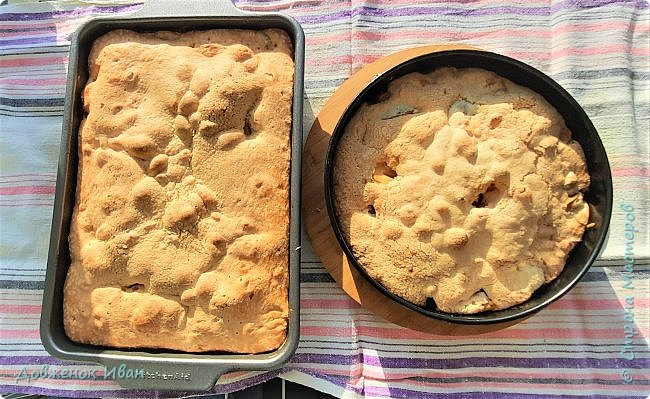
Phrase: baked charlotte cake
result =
(460, 187)
(179, 236)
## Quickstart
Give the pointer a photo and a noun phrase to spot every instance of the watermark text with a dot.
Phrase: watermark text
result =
(629, 327)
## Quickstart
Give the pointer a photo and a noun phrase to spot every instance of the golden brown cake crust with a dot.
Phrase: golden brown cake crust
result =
(462, 187)
(179, 236)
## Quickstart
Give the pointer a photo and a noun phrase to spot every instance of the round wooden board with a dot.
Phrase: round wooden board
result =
(317, 222)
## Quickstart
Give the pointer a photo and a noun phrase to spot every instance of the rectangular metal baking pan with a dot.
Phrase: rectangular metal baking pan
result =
(160, 369)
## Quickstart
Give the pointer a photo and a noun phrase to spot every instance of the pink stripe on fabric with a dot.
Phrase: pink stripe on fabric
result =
(568, 52)
(20, 81)
(57, 381)
(9, 334)
(88, 383)
(319, 332)
(19, 62)
(430, 33)
(631, 172)
(596, 304)
(463, 35)
(640, 52)
(320, 7)
(524, 55)
(557, 333)
(402, 333)
(567, 303)
(612, 48)
(596, 27)
(342, 59)
(51, 180)
(26, 190)
(20, 309)
(557, 388)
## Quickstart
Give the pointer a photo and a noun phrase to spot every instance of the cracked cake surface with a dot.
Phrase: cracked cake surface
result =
(462, 187)
(179, 235)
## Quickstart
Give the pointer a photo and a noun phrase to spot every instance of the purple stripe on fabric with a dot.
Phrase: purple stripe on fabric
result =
(587, 4)
(77, 12)
(468, 12)
(546, 362)
(401, 393)
(414, 11)
(33, 40)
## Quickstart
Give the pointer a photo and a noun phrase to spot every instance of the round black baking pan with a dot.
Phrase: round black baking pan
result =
(599, 195)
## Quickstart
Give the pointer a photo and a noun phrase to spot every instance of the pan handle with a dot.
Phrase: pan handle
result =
(163, 376)
(176, 8)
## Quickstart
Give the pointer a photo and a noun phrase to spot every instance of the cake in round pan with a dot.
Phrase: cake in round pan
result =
(461, 187)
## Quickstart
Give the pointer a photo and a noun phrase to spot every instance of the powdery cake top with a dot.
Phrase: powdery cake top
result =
(462, 187)
(179, 236)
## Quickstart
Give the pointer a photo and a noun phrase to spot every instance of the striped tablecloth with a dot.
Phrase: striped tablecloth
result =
(584, 345)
